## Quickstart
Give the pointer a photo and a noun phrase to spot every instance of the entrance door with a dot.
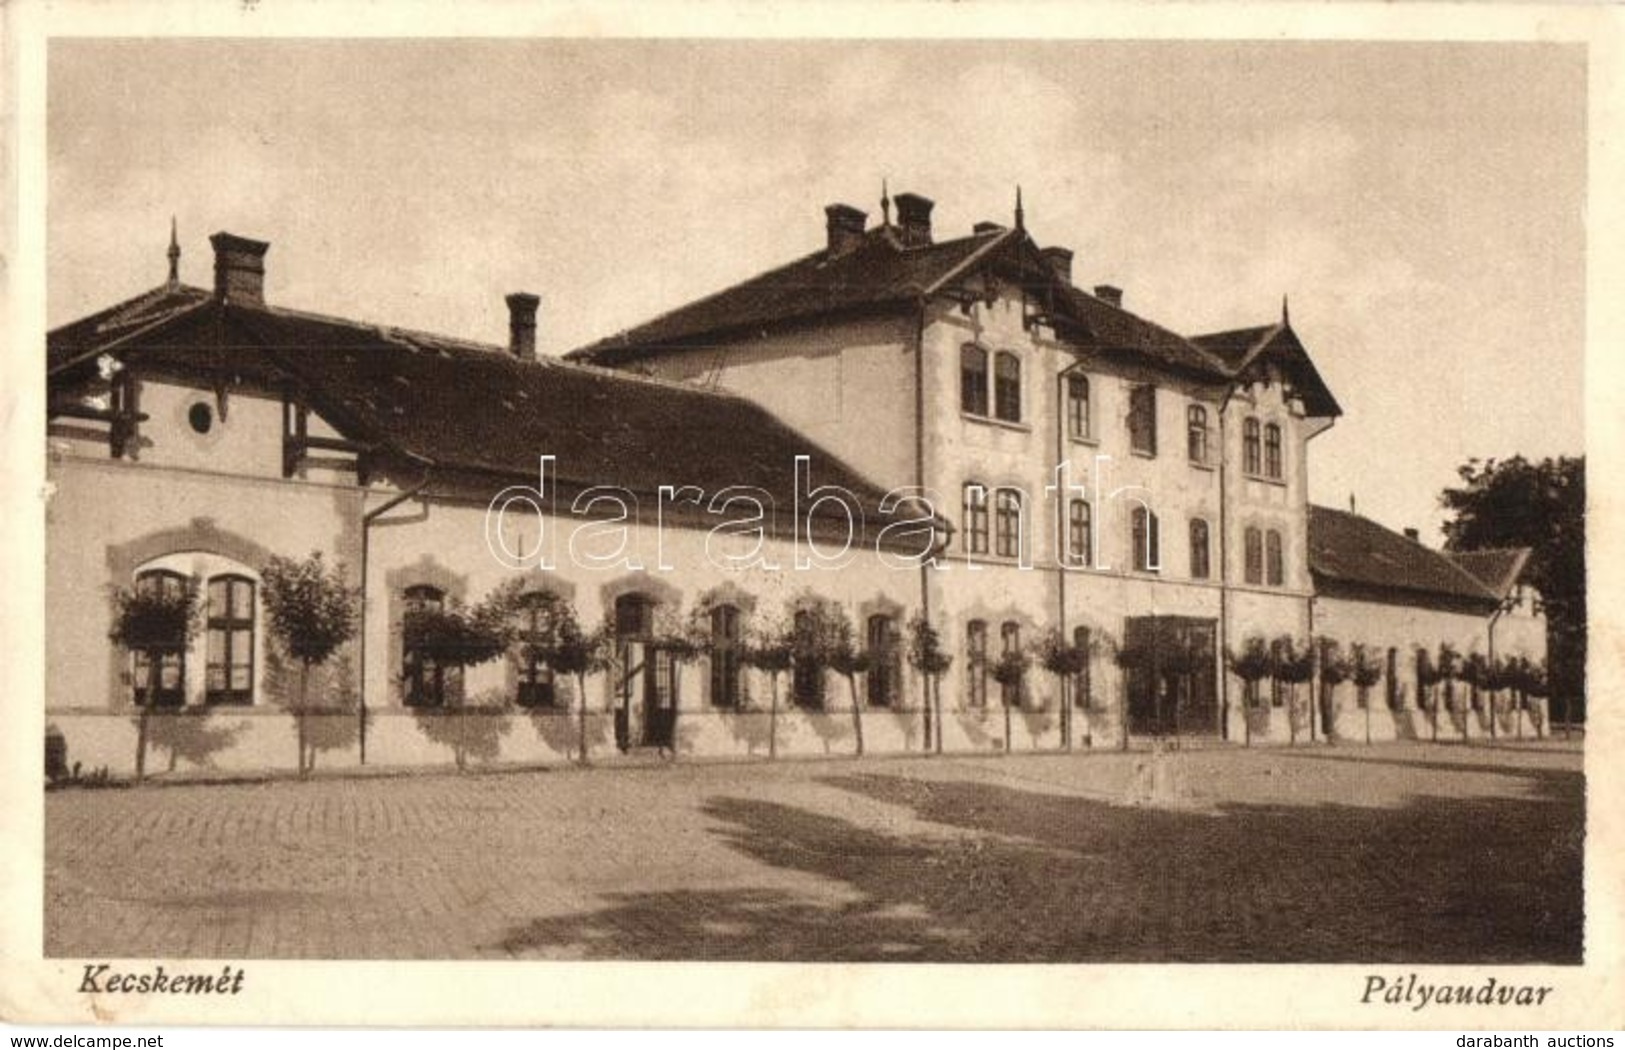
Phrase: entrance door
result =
(1172, 682)
(659, 697)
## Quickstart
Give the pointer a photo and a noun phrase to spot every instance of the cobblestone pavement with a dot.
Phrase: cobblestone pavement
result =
(1407, 853)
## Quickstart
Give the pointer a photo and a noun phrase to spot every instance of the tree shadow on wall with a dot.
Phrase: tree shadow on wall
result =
(1033, 877)
(473, 733)
(191, 735)
(751, 727)
(332, 708)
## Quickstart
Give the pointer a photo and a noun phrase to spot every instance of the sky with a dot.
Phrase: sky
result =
(1422, 204)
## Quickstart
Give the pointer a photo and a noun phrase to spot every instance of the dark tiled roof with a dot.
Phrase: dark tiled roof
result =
(1235, 346)
(1113, 328)
(882, 272)
(476, 407)
(878, 272)
(1242, 349)
(92, 334)
(1499, 570)
(1347, 549)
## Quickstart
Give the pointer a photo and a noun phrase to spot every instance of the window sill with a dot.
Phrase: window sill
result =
(994, 421)
(1200, 465)
(1143, 453)
(1265, 479)
(1084, 439)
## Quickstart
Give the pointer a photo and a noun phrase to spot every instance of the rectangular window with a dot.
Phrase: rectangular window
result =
(1007, 523)
(1144, 527)
(1142, 419)
(725, 654)
(1077, 406)
(975, 519)
(973, 380)
(1201, 568)
(1196, 434)
(1007, 387)
(1274, 563)
(1252, 459)
(976, 663)
(1079, 534)
(1272, 452)
(1010, 640)
(885, 674)
(1254, 559)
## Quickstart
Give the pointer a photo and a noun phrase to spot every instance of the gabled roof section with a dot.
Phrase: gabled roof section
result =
(93, 335)
(1499, 570)
(879, 272)
(1113, 328)
(1347, 549)
(475, 407)
(1244, 350)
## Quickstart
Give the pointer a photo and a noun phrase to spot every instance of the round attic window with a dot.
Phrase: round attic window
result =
(201, 416)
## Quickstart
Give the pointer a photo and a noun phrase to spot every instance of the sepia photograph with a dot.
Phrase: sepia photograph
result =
(876, 500)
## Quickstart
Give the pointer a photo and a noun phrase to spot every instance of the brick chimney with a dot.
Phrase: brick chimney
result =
(1109, 293)
(1414, 535)
(239, 269)
(522, 325)
(914, 218)
(1060, 260)
(844, 225)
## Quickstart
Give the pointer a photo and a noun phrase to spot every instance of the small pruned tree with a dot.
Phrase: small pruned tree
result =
(157, 618)
(927, 656)
(578, 652)
(843, 656)
(313, 612)
(770, 648)
(459, 636)
(1292, 663)
(1335, 669)
(1252, 665)
(1010, 671)
(1065, 661)
(1428, 676)
(1365, 668)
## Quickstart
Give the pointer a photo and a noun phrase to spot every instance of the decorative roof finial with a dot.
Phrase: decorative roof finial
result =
(174, 255)
(1021, 217)
(885, 203)
(1286, 317)
(1353, 508)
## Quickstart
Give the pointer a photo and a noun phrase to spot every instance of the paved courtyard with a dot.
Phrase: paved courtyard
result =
(1406, 853)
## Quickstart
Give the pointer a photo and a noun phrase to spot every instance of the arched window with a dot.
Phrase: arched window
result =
(171, 688)
(1196, 434)
(976, 663)
(423, 679)
(536, 621)
(726, 642)
(973, 380)
(1080, 533)
(1253, 570)
(1083, 681)
(975, 518)
(885, 676)
(1007, 387)
(1007, 523)
(1010, 642)
(1274, 563)
(1147, 542)
(807, 673)
(634, 617)
(1252, 458)
(1272, 452)
(229, 670)
(1077, 406)
(1201, 565)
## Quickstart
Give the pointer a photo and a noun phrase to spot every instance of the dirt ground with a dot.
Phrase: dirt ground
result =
(1404, 853)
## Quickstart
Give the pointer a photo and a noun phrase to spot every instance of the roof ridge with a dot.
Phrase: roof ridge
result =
(1442, 555)
(635, 377)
